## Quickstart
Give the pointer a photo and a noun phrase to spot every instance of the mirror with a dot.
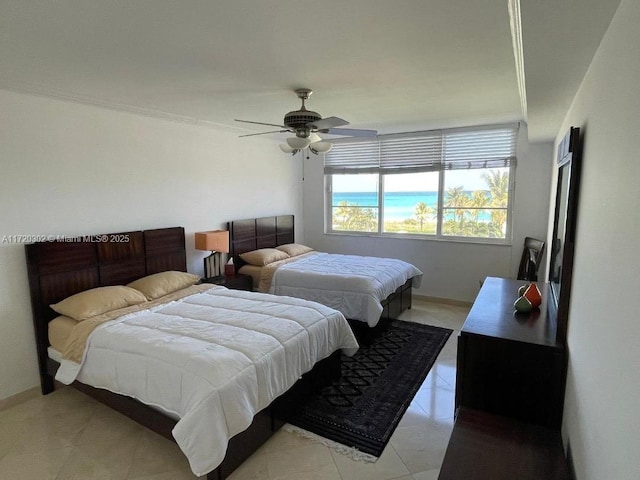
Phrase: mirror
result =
(564, 225)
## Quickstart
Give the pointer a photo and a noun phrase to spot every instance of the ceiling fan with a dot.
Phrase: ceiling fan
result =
(306, 125)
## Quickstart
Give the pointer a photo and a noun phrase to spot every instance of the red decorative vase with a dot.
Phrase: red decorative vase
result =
(533, 295)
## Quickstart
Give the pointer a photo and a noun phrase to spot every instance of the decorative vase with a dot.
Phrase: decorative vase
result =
(523, 305)
(533, 295)
(522, 289)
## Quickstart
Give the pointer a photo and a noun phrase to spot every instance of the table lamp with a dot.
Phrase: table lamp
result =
(217, 242)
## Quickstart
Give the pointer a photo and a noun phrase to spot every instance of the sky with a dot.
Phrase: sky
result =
(427, 182)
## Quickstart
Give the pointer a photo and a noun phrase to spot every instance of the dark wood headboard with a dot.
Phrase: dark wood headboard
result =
(62, 268)
(253, 233)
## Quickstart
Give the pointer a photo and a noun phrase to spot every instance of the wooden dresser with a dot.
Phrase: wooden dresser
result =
(509, 392)
(484, 446)
(510, 363)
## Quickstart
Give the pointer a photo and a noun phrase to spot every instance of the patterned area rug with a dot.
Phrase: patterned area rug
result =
(363, 408)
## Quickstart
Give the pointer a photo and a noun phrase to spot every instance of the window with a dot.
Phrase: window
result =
(454, 183)
(354, 205)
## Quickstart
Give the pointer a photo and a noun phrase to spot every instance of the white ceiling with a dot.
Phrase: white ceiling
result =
(560, 38)
(388, 65)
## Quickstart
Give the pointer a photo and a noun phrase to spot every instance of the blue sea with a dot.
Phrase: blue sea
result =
(397, 205)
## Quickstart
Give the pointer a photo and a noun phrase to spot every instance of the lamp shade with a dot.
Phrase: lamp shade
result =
(321, 147)
(314, 137)
(298, 143)
(213, 240)
(286, 148)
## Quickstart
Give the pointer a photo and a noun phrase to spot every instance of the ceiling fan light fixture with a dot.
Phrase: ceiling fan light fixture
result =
(314, 137)
(320, 147)
(286, 148)
(298, 143)
(305, 124)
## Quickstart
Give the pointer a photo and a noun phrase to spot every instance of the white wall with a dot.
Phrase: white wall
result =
(452, 270)
(72, 169)
(601, 415)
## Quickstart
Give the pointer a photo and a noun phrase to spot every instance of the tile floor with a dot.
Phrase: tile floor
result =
(67, 435)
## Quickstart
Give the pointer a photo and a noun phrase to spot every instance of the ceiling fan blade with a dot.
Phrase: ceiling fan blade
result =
(328, 122)
(350, 132)
(261, 123)
(262, 133)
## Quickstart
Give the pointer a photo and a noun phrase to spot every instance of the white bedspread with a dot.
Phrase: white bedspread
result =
(354, 285)
(213, 360)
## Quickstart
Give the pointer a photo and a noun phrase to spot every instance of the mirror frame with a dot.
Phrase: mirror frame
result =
(564, 230)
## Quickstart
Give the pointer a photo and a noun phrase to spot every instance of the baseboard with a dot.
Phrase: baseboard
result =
(443, 300)
(18, 398)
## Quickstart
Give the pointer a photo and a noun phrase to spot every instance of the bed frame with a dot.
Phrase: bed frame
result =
(269, 232)
(62, 268)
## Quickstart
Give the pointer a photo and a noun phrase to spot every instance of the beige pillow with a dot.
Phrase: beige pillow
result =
(294, 249)
(99, 300)
(163, 283)
(263, 256)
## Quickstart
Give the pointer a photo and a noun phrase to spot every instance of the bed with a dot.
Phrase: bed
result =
(193, 336)
(364, 289)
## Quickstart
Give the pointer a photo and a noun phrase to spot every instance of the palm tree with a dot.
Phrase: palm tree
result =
(423, 211)
(342, 210)
(362, 220)
(499, 188)
(456, 198)
(479, 200)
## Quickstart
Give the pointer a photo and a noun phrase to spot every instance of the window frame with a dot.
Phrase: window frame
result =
(442, 171)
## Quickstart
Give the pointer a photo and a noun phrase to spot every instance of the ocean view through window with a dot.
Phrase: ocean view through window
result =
(466, 196)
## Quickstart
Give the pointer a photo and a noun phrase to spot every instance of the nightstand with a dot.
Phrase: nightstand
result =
(235, 282)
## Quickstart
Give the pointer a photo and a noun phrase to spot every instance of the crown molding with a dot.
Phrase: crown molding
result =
(66, 96)
(516, 39)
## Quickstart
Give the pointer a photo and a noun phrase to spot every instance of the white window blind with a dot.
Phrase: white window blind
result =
(468, 148)
(356, 157)
(404, 153)
(489, 147)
